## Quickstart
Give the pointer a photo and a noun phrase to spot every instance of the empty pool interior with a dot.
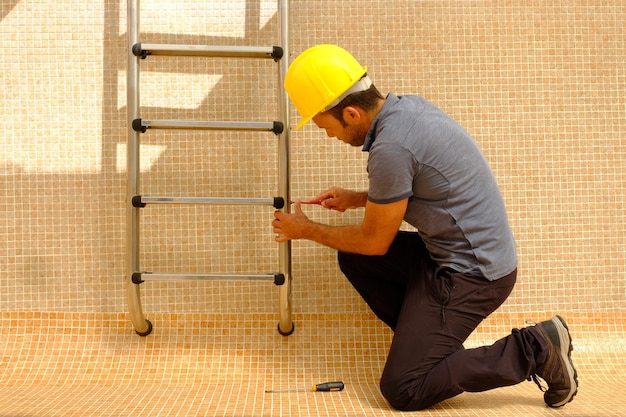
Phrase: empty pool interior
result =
(540, 85)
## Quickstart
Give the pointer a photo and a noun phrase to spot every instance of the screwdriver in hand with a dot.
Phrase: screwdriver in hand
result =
(318, 203)
(326, 386)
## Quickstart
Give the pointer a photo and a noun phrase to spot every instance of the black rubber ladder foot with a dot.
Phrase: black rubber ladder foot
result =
(289, 332)
(147, 332)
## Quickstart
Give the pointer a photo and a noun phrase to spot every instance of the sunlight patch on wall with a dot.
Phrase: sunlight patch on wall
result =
(170, 90)
(225, 18)
(51, 89)
(148, 155)
(222, 18)
(268, 10)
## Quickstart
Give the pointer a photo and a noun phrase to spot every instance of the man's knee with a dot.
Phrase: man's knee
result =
(402, 394)
(395, 396)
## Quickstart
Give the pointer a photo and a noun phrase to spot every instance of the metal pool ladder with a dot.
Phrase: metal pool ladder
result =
(137, 126)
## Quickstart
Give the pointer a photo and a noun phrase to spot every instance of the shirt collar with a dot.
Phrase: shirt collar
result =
(390, 101)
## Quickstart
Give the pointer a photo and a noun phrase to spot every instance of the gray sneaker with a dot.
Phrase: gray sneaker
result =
(558, 371)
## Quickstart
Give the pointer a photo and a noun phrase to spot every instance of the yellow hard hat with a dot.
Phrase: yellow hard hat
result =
(320, 77)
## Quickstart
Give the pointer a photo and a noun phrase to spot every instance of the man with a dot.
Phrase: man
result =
(432, 287)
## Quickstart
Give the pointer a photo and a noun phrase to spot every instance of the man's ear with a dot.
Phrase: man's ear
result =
(351, 115)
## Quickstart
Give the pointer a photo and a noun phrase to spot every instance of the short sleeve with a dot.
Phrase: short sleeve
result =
(391, 169)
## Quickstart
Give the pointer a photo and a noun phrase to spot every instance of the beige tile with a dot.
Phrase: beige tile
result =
(205, 364)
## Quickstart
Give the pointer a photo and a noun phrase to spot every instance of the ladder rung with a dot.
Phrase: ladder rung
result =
(139, 277)
(141, 125)
(144, 49)
(142, 200)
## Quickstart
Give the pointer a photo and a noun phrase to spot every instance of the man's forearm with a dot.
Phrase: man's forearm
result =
(349, 238)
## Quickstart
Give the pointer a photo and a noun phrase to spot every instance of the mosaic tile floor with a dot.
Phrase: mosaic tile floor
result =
(71, 364)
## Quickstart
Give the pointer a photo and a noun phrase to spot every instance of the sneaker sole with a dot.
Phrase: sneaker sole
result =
(565, 343)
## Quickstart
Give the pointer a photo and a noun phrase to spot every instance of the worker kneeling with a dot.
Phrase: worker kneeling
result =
(434, 286)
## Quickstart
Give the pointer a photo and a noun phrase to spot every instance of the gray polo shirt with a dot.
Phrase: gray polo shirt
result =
(418, 151)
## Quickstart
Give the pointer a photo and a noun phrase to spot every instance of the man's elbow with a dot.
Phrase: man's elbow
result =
(376, 248)
(377, 241)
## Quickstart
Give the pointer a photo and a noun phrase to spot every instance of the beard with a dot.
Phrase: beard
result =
(355, 135)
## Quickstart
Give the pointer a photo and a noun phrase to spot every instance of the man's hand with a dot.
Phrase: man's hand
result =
(372, 237)
(336, 198)
(288, 226)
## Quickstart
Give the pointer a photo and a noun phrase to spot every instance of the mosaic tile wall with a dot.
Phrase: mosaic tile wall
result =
(541, 86)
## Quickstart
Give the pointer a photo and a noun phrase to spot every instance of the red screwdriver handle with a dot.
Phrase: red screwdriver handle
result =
(329, 386)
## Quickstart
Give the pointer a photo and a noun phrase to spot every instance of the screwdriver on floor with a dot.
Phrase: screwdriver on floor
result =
(326, 386)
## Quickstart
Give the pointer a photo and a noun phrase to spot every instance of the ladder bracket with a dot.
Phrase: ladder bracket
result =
(278, 128)
(136, 278)
(277, 53)
(137, 203)
(279, 279)
(279, 202)
(138, 127)
(139, 52)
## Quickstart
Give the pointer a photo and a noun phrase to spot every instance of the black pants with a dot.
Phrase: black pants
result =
(432, 311)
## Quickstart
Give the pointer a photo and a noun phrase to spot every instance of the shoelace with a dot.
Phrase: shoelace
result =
(536, 379)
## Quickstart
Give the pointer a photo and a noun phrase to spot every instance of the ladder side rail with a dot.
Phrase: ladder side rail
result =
(142, 326)
(285, 324)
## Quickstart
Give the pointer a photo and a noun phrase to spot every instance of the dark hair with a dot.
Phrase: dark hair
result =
(367, 100)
